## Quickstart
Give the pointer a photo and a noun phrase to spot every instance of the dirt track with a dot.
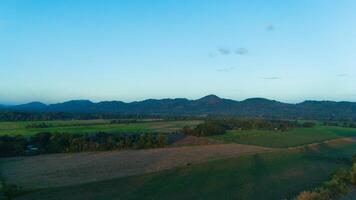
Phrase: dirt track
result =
(66, 169)
(331, 142)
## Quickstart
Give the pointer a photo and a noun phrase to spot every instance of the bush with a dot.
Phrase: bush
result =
(338, 183)
(12, 146)
(353, 174)
(306, 195)
(38, 125)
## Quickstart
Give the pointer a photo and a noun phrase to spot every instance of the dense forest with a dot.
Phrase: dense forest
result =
(8, 115)
(43, 143)
(220, 126)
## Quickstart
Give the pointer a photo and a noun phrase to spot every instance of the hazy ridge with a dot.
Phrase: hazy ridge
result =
(208, 105)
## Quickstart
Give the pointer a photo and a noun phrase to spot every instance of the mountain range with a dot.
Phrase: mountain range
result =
(208, 105)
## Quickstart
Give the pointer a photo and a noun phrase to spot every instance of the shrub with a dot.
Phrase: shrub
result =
(38, 125)
(353, 174)
(306, 195)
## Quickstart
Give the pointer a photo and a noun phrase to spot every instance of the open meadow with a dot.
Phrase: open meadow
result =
(74, 168)
(94, 126)
(274, 175)
(237, 164)
(289, 138)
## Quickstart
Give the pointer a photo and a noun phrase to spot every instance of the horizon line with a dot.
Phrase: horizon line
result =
(212, 95)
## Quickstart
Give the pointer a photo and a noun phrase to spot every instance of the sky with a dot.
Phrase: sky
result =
(295, 50)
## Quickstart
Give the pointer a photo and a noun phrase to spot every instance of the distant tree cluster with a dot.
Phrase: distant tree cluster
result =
(37, 116)
(124, 121)
(38, 125)
(48, 116)
(338, 185)
(43, 143)
(220, 126)
(341, 124)
(208, 128)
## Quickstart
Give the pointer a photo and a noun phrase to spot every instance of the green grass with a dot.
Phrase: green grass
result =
(93, 126)
(266, 176)
(290, 138)
(276, 175)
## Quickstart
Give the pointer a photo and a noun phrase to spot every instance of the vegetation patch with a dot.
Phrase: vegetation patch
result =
(290, 138)
(220, 126)
(62, 143)
(338, 185)
(94, 126)
(248, 177)
(76, 168)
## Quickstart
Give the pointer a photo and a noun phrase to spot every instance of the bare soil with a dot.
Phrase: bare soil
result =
(332, 143)
(66, 169)
(193, 140)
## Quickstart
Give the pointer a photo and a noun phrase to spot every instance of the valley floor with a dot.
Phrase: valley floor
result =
(73, 168)
(263, 174)
(203, 168)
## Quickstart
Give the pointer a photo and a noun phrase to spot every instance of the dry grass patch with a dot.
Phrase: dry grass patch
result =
(67, 169)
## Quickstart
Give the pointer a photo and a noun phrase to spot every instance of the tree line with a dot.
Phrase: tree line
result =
(38, 125)
(43, 143)
(220, 126)
(10, 115)
(340, 124)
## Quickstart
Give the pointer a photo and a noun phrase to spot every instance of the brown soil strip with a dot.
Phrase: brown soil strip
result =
(332, 143)
(67, 169)
(193, 140)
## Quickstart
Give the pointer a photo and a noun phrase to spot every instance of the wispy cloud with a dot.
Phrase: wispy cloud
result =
(241, 51)
(342, 75)
(227, 69)
(271, 78)
(227, 51)
(224, 51)
(270, 27)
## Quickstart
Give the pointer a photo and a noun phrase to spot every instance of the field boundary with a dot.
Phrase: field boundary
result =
(329, 141)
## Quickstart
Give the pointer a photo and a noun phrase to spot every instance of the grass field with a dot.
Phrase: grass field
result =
(93, 126)
(290, 138)
(280, 174)
(276, 175)
(64, 169)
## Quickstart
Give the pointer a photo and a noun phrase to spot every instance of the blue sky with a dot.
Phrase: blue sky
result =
(52, 51)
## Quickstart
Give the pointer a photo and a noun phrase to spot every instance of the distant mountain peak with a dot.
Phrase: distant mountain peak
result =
(211, 99)
(258, 99)
(35, 103)
(210, 96)
(32, 106)
(80, 101)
